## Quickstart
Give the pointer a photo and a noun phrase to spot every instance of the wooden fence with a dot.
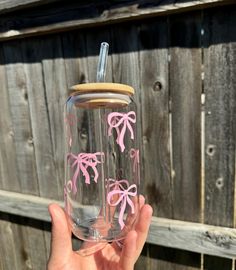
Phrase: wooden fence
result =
(180, 56)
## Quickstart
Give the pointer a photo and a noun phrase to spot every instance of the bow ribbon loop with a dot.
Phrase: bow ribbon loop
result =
(81, 162)
(116, 120)
(124, 198)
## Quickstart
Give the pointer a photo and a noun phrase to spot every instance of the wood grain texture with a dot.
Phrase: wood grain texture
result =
(125, 69)
(220, 126)
(154, 95)
(220, 107)
(19, 105)
(74, 54)
(195, 237)
(68, 16)
(8, 244)
(8, 176)
(185, 97)
(11, 233)
(33, 54)
(23, 156)
(55, 84)
(185, 100)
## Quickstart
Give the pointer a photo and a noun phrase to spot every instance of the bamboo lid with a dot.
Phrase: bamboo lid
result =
(102, 87)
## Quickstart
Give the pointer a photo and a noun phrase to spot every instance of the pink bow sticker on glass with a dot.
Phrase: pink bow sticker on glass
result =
(123, 200)
(82, 162)
(116, 184)
(121, 121)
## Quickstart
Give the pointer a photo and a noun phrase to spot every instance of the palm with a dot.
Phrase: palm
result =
(110, 256)
(107, 258)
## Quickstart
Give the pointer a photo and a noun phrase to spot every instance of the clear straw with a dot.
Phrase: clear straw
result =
(102, 62)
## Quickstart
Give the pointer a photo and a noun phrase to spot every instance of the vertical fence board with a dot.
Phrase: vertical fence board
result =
(173, 259)
(125, 69)
(46, 171)
(185, 97)
(26, 167)
(19, 104)
(75, 61)
(7, 248)
(125, 60)
(56, 93)
(55, 84)
(220, 126)
(154, 93)
(8, 175)
(155, 111)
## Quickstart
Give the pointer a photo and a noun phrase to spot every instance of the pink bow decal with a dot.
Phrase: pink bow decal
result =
(82, 162)
(134, 154)
(123, 199)
(115, 120)
(116, 184)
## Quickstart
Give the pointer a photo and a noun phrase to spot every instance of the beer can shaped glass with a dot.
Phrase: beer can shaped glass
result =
(102, 168)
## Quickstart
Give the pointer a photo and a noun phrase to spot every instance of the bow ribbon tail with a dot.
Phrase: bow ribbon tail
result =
(120, 139)
(122, 211)
(95, 174)
(85, 173)
(130, 129)
(117, 132)
(131, 204)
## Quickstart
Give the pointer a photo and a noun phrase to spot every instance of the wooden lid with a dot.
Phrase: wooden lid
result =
(102, 87)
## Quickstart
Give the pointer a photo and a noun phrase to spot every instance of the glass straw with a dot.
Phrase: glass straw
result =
(102, 62)
(101, 72)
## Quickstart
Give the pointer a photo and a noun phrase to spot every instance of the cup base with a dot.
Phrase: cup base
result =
(97, 230)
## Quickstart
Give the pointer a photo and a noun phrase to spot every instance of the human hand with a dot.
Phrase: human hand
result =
(113, 257)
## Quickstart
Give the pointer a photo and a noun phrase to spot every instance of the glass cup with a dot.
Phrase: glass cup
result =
(102, 168)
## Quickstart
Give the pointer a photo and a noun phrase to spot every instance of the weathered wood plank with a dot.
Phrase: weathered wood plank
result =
(169, 258)
(14, 245)
(220, 108)
(12, 5)
(8, 176)
(220, 126)
(97, 13)
(154, 95)
(195, 237)
(25, 205)
(54, 81)
(20, 117)
(7, 246)
(20, 87)
(213, 240)
(33, 54)
(142, 262)
(74, 52)
(185, 97)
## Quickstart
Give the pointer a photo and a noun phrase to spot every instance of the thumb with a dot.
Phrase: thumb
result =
(61, 244)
